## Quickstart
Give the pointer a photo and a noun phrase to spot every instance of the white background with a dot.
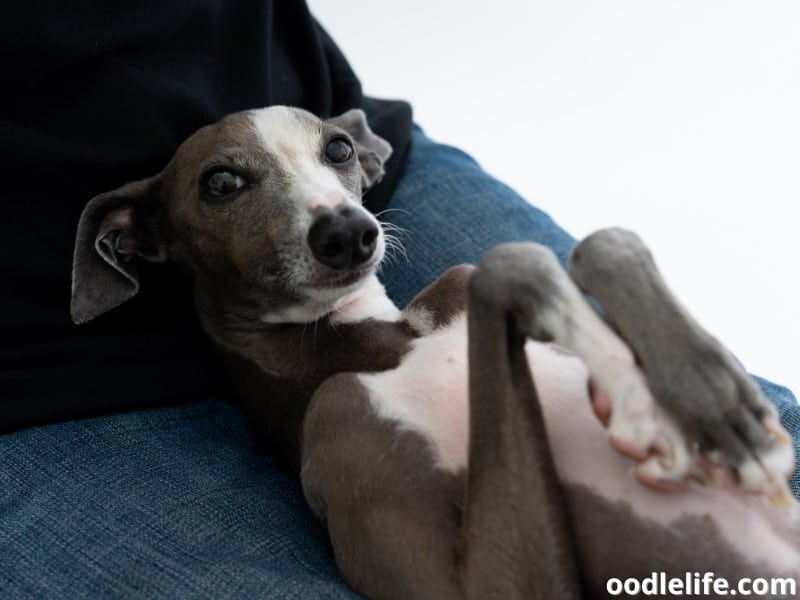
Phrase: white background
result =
(679, 119)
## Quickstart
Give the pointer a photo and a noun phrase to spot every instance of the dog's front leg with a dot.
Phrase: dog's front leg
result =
(517, 542)
(721, 420)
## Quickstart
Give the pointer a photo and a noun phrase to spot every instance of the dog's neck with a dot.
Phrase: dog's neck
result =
(277, 367)
(244, 325)
(251, 312)
(367, 302)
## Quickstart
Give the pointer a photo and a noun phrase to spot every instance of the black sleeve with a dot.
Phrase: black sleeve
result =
(99, 93)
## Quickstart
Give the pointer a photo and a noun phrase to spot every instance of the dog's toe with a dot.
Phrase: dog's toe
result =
(727, 422)
(729, 442)
(639, 429)
(766, 472)
(626, 405)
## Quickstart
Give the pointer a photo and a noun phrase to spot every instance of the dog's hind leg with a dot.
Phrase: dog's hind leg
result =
(517, 540)
(719, 412)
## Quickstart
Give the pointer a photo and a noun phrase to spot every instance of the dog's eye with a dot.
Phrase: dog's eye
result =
(221, 183)
(339, 151)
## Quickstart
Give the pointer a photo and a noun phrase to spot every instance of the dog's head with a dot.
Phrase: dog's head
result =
(263, 206)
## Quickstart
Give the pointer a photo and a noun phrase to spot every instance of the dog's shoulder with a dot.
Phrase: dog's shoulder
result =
(441, 302)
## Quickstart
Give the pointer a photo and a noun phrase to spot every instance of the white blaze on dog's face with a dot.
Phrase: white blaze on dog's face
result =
(298, 144)
(269, 202)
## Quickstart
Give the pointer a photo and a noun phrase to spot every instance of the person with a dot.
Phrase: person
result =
(125, 469)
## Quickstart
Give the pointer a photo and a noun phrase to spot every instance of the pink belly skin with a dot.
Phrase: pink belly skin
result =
(428, 394)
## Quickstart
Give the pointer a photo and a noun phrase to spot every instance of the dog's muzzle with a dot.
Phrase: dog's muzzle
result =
(343, 237)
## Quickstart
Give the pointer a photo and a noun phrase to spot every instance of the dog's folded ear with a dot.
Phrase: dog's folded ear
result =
(115, 228)
(373, 151)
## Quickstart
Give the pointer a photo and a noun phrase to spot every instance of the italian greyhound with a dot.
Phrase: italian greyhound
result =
(494, 439)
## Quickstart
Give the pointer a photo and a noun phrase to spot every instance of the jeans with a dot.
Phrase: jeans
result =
(179, 502)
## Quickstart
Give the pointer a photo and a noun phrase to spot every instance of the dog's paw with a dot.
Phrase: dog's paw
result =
(708, 407)
(728, 425)
(704, 420)
(641, 430)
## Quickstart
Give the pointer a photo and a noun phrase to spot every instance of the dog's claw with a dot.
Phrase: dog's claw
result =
(768, 472)
(773, 426)
(711, 474)
(781, 498)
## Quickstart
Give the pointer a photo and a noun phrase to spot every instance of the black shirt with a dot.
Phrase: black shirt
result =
(98, 93)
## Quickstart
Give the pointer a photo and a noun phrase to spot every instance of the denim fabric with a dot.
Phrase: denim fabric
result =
(789, 413)
(168, 503)
(178, 502)
(447, 211)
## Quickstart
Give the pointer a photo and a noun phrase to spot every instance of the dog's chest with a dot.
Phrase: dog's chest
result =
(428, 392)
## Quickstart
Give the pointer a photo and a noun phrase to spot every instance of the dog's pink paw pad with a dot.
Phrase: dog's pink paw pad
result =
(640, 430)
(601, 404)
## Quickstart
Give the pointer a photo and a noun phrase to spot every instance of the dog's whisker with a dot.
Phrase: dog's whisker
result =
(332, 323)
(393, 259)
(395, 247)
(395, 228)
(389, 260)
(303, 333)
(388, 210)
(395, 233)
(393, 252)
(395, 238)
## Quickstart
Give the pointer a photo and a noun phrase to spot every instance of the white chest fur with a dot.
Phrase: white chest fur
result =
(428, 394)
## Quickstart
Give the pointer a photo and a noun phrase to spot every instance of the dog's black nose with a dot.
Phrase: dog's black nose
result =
(343, 237)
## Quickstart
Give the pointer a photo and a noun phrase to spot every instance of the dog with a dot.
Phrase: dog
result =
(496, 438)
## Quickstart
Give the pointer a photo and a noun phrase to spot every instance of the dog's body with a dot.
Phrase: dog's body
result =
(419, 435)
